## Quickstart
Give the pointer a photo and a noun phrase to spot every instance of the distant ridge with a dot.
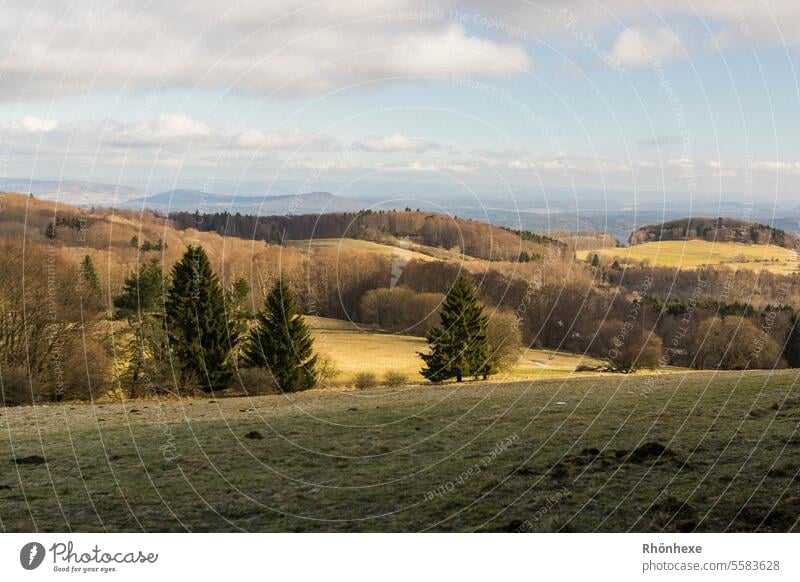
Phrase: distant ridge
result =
(714, 230)
(190, 200)
(77, 192)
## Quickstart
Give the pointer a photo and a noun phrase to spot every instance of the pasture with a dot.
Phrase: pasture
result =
(692, 254)
(355, 348)
(695, 451)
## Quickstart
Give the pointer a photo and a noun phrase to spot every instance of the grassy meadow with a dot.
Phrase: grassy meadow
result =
(696, 451)
(352, 245)
(355, 348)
(691, 254)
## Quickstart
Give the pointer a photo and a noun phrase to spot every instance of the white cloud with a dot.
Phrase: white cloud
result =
(393, 143)
(255, 48)
(37, 124)
(166, 139)
(166, 127)
(641, 47)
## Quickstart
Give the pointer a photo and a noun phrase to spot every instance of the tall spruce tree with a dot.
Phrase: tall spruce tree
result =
(141, 303)
(143, 290)
(197, 327)
(281, 342)
(458, 346)
(792, 349)
(89, 274)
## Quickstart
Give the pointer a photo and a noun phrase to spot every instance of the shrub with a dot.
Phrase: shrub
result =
(326, 370)
(256, 381)
(639, 351)
(394, 379)
(18, 387)
(505, 340)
(365, 380)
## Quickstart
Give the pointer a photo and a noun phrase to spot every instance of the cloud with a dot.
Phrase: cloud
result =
(37, 124)
(172, 138)
(393, 143)
(641, 47)
(163, 128)
(279, 48)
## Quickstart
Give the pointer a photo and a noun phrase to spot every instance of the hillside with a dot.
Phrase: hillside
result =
(107, 237)
(472, 238)
(714, 230)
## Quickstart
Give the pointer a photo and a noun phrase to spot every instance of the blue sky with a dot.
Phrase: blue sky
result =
(690, 97)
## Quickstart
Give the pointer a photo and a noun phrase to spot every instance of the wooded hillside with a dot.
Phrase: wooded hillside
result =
(475, 239)
(714, 230)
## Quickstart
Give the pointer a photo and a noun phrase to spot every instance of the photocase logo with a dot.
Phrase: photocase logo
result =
(31, 555)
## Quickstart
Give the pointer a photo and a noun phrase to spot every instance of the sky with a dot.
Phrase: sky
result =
(650, 97)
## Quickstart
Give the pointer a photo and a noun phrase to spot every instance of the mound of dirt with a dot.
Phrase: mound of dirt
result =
(651, 452)
(29, 460)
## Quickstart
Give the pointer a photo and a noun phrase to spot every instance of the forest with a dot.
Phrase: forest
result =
(718, 229)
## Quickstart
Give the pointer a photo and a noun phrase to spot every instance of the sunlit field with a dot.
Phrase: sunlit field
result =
(696, 253)
(355, 348)
(349, 245)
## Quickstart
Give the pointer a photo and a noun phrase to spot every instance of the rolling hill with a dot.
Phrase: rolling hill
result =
(714, 230)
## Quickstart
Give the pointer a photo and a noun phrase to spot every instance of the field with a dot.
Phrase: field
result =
(696, 253)
(696, 451)
(348, 245)
(346, 344)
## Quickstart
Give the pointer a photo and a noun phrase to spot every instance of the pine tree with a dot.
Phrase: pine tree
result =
(143, 290)
(146, 345)
(596, 261)
(197, 326)
(281, 342)
(89, 274)
(458, 346)
(792, 349)
(50, 231)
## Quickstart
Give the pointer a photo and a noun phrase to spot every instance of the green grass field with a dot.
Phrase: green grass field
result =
(695, 253)
(696, 451)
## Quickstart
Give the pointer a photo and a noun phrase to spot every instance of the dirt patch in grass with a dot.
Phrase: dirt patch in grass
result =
(29, 460)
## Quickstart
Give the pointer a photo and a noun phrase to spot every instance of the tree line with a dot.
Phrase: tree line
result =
(475, 239)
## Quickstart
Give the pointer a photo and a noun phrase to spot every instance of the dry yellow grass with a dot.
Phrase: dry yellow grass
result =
(697, 253)
(349, 245)
(355, 348)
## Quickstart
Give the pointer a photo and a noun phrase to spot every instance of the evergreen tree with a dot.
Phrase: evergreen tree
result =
(197, 326)
(596, 261)
(282, 343)
(50, 231)
(89, 274)
(146, 345)
(143, 290)
(458, 346)
(792, 350)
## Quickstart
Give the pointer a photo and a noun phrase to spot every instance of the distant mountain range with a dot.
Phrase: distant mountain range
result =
(589, 210)
(77, 192)
(190, 200)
